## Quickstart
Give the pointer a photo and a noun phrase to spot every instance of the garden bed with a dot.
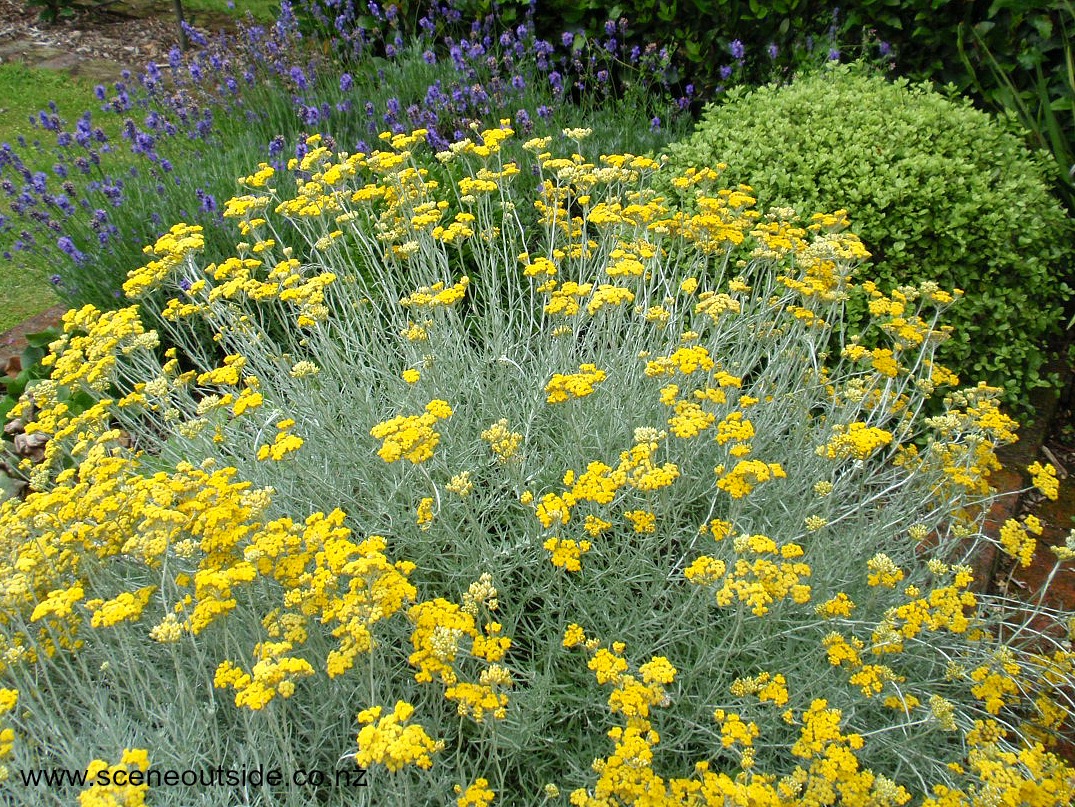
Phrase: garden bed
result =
(442, 396)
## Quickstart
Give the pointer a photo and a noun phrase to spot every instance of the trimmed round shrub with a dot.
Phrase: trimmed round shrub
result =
(936, 189)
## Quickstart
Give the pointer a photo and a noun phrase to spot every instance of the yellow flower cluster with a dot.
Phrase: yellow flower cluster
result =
(236, 279)
(207, 518)
(997, 684)
(171, 250)
(1017, 539)
(411, 437)
(8, 699)
(83, 359)
(460, 484)
(565, 301)
(437, 295)
(638, 466)
(834, 775)
(87, 352)
(722, 221)
(1045, 479)
(566, 554)
(855, 440)
(477, 794)
(641, 520)
(621, 255)
(228, 374)
(747, 475)
(766, 686)
(153, 513)
(563, 387)
(458, 231)
(840, 605)
(689, 419)
(285, 442)
(119, 790)
(626, 776)
(274, 673)
(445, 634)
(698, 176)
(608, 295)
(869, 678)
(686, 360)
(503, 442)
(759, 582)
(424, 516)
(830, 771)
(883, 571)
(1025, 776)
(736, 428)
(944, 608)
(778, 233)
(124, 607)
(600, 484)
(351, 586)
(716, 304)
(260, 178)
(733, 731)
(392, 741)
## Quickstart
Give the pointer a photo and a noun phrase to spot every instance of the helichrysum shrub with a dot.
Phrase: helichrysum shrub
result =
(936, 189)
(583, 512)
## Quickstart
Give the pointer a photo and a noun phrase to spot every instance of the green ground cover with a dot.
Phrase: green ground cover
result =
(261, 10)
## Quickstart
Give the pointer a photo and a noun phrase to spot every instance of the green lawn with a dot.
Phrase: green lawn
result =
(24, 291)
(262, 10)
(25, 90)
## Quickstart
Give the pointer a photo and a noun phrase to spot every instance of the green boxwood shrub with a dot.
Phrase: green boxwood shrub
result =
(937, 190)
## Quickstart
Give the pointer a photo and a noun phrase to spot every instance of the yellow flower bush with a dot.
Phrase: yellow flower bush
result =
(435, 446)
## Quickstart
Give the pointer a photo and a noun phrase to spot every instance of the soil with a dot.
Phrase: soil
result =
(1048, 438)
